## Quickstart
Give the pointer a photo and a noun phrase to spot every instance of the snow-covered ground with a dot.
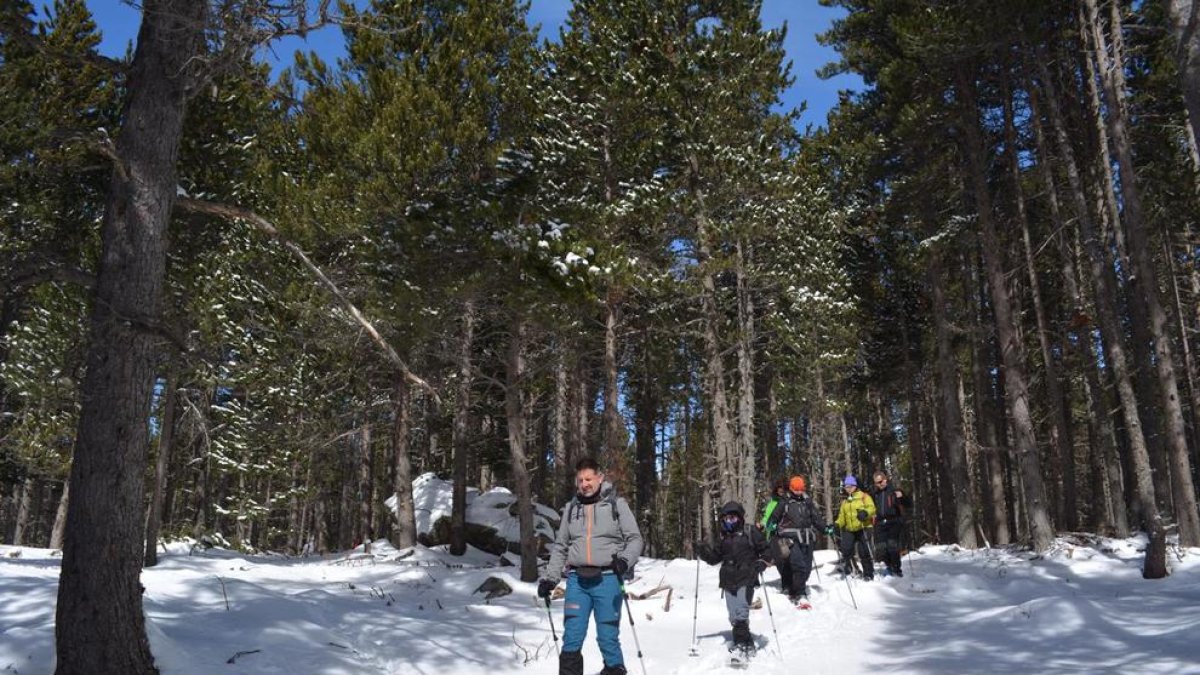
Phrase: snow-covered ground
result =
(1078, 609)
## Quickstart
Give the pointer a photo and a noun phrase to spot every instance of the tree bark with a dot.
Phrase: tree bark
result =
(1183, 22)
(1104, 295)
(462, 416)
(561, 484)
(646, 406)
(99, 621)
(1144, 285)
(614, 427)
(60, 517)
(1066, 506)
(746, 447)
(1011, 350)
(725, 459)
(516, 415)
(24, 507)
(952, 444)
(987, 412)
(406, 517)
(366, 480)
(162, 464)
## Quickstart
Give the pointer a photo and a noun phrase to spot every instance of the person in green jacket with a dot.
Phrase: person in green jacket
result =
(777, 498)
(855, 517)
(779, 550)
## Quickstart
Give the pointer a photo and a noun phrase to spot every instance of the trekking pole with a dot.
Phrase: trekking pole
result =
(550, 618)
(632, 629)
(848, 587)
(694, 650)
(767, 595)
(908, 552)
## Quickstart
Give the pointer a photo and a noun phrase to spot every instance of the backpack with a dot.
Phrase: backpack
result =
(611, 500)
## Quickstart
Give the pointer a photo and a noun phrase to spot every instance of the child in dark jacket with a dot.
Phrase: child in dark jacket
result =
(743, 554)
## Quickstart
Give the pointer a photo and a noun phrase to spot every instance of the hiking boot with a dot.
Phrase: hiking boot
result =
(570, 663)
(741, 635)
(613, 670)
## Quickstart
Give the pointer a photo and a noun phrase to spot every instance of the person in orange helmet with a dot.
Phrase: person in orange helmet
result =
(798, 522)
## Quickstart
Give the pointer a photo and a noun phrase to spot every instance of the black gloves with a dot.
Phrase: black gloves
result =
(702, 550)
(619, 566)
(862, 515)
(545, 588)
(829, 530)
(760, 566)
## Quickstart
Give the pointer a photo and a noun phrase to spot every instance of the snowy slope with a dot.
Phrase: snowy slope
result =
(1078, 609)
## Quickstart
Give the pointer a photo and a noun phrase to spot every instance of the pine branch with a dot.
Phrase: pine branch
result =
(231, 212)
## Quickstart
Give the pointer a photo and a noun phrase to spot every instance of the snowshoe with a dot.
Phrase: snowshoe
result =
(740, 655)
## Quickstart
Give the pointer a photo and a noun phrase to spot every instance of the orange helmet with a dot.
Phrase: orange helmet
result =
(796, 484)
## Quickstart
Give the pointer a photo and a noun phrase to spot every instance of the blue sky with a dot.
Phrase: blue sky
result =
(118, 21)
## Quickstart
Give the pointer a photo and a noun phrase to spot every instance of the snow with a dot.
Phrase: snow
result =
(1082, 607)
(432, 499)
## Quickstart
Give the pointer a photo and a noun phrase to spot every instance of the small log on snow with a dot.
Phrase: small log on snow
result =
(649, 593)
(667, 602)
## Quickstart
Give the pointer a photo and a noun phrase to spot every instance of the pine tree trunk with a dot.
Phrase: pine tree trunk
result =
(24, 509)
(646, 406)
(1183, 21)
(462, 416)
(1066, 506)
(365, 481)
(919, 453)
(725, 459)
(952, 444)
(986, 413)
(60, 517)
(1011, 350)
(1108, 505)
(774, 429)
(614, 427)
(746, 448)
(99, 621)
(516, 413)
(1144, 287)
(1104, 295)
(561, 484)
(406, 516)
(166, 441)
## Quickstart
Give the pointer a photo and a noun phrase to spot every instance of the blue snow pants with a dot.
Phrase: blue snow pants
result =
(601, 596)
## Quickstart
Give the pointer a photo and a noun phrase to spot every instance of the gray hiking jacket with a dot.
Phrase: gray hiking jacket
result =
(589, 534)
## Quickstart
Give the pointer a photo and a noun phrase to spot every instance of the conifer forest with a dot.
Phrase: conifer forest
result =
(251, 309)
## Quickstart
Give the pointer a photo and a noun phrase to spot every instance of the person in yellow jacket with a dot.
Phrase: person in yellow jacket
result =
(855, 517)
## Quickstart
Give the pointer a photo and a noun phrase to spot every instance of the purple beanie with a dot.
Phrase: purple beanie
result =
(850, 480)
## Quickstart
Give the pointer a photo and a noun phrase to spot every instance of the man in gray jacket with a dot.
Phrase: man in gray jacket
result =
(598, 543)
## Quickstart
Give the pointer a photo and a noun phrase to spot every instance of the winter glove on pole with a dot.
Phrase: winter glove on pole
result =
(619, 566)
(760, 566)
(545, 588)
(862, 515)
(829, 530)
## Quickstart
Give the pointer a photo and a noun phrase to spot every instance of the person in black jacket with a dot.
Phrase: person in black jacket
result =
(743, 554)
(797, 523)
(890, 506)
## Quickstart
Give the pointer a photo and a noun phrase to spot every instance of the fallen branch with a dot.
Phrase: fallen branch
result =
(234, 658)
(223, 594)
(231, 212)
